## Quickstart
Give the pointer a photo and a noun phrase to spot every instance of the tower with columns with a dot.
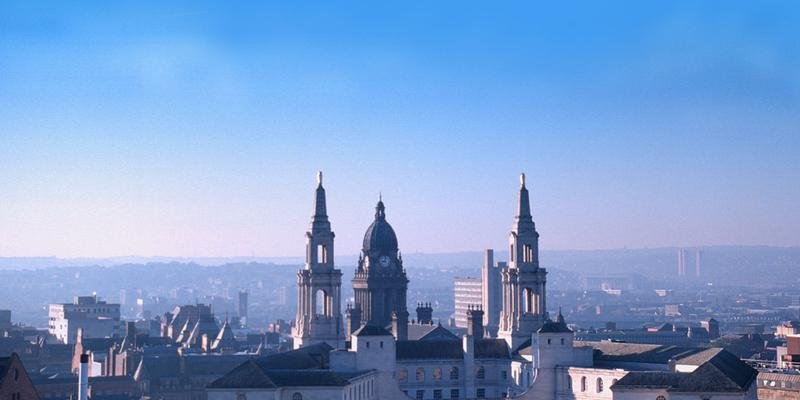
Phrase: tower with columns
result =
(319, 284)
(524, 309)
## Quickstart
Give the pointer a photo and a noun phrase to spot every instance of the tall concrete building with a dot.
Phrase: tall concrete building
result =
(319, 284)
(697, 258)
(243, 306)
(681, 262)
(380, 281)
(523, 281)
(467, 295)
(96, 318)
(491, 292)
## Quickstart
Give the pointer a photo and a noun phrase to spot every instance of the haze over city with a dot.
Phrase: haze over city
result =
(196, 130)
(255, 200)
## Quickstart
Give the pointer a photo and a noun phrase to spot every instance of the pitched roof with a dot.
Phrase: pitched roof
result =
(429, 349)
(306, 366)
(638, 353)
(309, 357)
(5, 362)
(371, 330)
(98, 344)
(250, 375)
(437, 333)
(492, 348)
(225, 338)
(722, 372)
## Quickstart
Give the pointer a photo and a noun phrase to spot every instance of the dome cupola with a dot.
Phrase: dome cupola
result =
(380, 237)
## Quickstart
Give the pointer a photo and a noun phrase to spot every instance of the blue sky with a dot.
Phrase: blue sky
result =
(196, 128)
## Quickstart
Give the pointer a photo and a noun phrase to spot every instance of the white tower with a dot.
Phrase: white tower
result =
(319, 284)
(524, 308)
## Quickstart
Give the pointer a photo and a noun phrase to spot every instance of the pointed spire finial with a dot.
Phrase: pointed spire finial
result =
(319, 178)
(522, 179)
(380, 209)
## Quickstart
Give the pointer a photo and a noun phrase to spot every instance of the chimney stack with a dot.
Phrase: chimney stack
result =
(353, 318)
(475, 322)
(83, 378)
(424, 314)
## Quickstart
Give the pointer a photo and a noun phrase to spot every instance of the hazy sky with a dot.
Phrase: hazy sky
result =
(196, 129)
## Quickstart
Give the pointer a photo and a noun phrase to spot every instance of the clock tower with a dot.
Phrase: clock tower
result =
(380, 281)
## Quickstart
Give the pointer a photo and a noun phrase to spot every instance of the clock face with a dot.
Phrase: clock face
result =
(384, 260)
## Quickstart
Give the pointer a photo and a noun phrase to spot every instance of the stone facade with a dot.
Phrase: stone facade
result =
(319, 284)
(523, 281)
(380, 283)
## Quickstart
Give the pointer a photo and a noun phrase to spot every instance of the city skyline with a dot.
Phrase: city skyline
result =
(196, 129)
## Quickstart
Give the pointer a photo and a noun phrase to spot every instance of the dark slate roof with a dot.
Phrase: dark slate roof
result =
(98, 344)
(169, 366)
(309, 357)
(492, 348)
(648, 379)
(524, 349)
(639, 353)
(706, 378)
(450, 349)
(5, 362)
(437, 332)
(557, 326)
(554, 327)
(429, 349)
(380, 235)
(371, 330)
(213, 364)
(723, 372)
(250, 376)
(701, 357)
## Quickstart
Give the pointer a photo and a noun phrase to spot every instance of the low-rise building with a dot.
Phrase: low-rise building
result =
(95, 318)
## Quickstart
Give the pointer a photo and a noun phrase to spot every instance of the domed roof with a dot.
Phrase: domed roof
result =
(380, 235)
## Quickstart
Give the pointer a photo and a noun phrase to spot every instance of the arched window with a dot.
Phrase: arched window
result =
(480, 373)
(454, 373)
(437, 374)
(599, 385)
(402, 374)
(661, 398)
(297, 396)
(583, 384)
(562, 341)
(420, 374)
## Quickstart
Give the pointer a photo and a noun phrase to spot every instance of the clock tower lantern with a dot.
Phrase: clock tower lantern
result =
(380, 281)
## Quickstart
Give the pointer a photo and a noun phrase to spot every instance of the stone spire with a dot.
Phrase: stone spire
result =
(523, 221)
(380, 209)
(319, 221)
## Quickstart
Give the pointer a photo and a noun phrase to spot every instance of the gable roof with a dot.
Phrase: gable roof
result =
(722, 372)
(607, 351)
(5, 362)
(429, 349)
(492, 348)
(225, 338)
(437, 333)
(371, 330)
(306, 366)
(250, 376)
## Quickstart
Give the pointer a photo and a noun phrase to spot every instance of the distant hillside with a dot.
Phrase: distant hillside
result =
(736, 265)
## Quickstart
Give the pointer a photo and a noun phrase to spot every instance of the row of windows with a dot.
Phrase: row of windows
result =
(363, 390)
(480, 393)
(786, 385)
(480, 373)
(598, 387)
